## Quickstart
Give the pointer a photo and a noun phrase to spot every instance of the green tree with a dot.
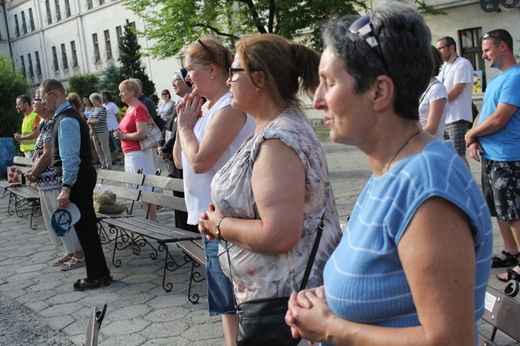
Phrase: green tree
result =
(109, 80)
(12, 84)
(84, 84)
(173, 24)
(130, 61)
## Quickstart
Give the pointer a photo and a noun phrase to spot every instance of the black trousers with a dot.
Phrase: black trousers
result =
(86, 228)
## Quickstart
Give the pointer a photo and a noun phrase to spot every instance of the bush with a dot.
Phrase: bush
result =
(109, 80)
(12, 85)
(83, 85)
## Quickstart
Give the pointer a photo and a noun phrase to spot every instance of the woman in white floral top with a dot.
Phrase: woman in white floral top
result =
(269, 198)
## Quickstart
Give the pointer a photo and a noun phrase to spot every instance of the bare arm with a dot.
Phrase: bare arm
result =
(177, 151)
(278, 184)
(219, 135)
(492, 124)
(441, 286)
(42, 163)
(142, 131)
(456, 90)
(434, 116)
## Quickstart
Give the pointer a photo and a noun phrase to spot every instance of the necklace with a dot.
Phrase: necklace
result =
(445, 71)
(401, 149)
(267, 122)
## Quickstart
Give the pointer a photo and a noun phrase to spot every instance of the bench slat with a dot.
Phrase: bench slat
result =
(194, 250)
(503, 313)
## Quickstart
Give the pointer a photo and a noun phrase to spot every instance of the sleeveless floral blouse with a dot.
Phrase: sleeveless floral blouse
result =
(255, 275)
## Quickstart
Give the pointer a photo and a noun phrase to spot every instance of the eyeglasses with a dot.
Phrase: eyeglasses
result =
(233, 73)
(363, 27)
(175, 80)
(35, 99)
(45, 96)
(207, 49)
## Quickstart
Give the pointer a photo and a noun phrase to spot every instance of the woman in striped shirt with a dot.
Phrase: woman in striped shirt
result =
(99, 131)
(414, 260)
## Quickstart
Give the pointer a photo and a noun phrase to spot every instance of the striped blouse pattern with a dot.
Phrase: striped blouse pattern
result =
(364, 278)
(101, 114)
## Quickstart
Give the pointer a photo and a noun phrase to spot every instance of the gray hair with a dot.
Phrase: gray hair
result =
(95, 96)
(405, 42)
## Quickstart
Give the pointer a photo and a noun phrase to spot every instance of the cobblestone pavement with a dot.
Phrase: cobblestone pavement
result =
(48, 312)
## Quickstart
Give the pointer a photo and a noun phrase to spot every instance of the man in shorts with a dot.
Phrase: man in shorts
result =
(457, 76)
(496, 139)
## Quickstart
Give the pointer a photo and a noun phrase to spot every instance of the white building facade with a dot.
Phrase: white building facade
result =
(467, 21)
(63, 38)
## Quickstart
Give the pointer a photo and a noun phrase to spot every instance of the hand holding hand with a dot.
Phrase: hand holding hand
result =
(309, 315)
(189, 111)
(475, 150)
(118, 134)
(208, 222)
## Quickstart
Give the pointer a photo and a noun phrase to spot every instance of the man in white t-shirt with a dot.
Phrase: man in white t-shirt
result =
(113, 119)
(457, 76)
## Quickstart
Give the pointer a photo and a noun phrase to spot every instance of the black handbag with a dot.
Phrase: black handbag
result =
(262, 321)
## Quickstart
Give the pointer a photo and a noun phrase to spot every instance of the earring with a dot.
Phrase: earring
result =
(211, 77)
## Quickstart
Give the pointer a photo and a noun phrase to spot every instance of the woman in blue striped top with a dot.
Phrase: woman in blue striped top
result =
(99, 131)
(414, 261)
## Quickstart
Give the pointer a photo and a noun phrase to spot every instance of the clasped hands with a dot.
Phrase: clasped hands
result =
(475, 149)
(189, 110)
(208, 222)
(309, 315)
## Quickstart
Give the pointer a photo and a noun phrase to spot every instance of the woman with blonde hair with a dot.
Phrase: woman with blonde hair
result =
(132, 129)
(207, 138)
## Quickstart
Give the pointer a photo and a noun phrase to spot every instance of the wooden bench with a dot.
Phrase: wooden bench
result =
(23, 195)
(146, 233)
(117, 183)
(195, 253)
(503, 313)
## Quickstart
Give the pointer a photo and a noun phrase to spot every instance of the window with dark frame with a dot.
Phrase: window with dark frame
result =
(108, 45)
(16, 26)
(55, 59)
(58, 10)
(67, 8)
(89, 4)
(97, 57)
(119, 34)
(74, 54)
(48, 9)
(64, 61)
(38, 65)
(31, 70)
(22, 61)
(31, 20)
(471, 49)
(24, 23)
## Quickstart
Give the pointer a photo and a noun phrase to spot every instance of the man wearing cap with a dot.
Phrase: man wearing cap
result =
(72, 162)
(495, 140)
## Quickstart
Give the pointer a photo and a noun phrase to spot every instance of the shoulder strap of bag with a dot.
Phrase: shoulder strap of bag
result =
(312, 255)
(314, 250)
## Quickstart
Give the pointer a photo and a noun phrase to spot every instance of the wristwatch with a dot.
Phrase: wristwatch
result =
(66, 187)
(217, 228)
